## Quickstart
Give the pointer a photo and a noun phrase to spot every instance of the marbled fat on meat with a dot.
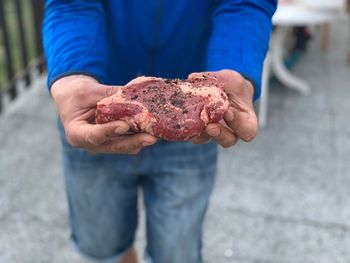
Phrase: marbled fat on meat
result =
(170, 109)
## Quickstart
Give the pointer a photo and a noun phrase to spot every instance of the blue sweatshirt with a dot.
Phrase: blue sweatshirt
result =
(116, 40)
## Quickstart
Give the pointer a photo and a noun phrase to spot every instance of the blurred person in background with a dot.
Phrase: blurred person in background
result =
(91, 46)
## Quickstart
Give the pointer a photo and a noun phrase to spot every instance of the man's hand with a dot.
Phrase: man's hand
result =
(76, 98)
(240, 121)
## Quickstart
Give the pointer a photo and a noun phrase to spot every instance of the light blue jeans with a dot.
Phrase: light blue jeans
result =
(176, 181)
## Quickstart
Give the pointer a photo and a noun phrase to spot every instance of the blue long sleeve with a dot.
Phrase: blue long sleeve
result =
(114, 41)
(240, 37)
(74, 34)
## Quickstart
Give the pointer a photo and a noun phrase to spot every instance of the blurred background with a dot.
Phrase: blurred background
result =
(283, 198)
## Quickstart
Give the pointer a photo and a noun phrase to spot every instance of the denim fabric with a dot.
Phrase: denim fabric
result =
(176, 181)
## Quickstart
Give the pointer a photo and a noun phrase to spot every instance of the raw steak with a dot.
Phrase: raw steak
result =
(170, 109)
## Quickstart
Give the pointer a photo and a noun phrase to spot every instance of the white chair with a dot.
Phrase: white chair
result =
(286, 17)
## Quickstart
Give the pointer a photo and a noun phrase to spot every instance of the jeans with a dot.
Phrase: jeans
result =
(176, 179)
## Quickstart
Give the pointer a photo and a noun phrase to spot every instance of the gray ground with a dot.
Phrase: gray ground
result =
(283, 198)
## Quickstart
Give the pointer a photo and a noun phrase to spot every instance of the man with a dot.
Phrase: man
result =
(92, 45)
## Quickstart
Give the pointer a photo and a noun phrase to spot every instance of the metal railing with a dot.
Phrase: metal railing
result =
(21, 49)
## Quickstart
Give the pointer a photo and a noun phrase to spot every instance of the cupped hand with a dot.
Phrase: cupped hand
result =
(240, 120)
(76, 97)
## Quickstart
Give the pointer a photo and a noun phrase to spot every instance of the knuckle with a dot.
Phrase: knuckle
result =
(250, 137)
(234, 74)
(229, 143)
(113, 148)
(251, 134)
(72, 138)
(237, 79)
(124, 149)
(90, 139)
(228, 72)
(109, 91)
(131, 150)
(72, 142)
(240, 80)
(134, 152)
(136, 148)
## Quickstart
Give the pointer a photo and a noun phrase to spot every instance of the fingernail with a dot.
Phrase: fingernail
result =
(229, 116)
(120, 130)
(148, 143)
(214, 132)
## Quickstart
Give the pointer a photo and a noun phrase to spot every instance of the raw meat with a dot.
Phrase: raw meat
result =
(170, 109)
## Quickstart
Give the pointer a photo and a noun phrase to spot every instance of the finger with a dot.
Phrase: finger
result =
(239, 90)
(204, 138)
(229, 77)
(89, 135)
(127, 144)
(107, 91)
(222, 135)
(137, 80)
(224, 75)
(196, 75)
(243, 124)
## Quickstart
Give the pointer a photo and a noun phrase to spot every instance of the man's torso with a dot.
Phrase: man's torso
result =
(164, 38)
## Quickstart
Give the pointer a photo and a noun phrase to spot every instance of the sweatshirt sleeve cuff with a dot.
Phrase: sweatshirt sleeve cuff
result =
(51, 81)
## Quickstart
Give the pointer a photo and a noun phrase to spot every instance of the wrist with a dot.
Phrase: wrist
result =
(70, 82)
